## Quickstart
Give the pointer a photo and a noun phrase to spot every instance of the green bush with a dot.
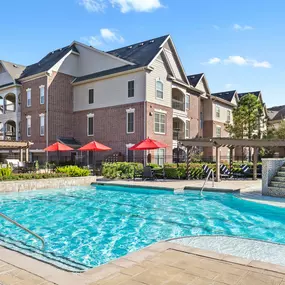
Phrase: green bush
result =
(73, 171)
(5, 171)
(28, 176)
(122, 170)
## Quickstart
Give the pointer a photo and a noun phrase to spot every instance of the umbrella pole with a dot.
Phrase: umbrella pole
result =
(94, 163)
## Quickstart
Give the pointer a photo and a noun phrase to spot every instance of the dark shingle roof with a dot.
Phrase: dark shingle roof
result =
(256, 93)
(106, 72)
(194, 79)
(48, 61)
(227, 95)
(7, 84)
(276, 108)
(140, 53)
(277, 112)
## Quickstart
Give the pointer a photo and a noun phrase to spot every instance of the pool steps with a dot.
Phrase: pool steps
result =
(277, 183)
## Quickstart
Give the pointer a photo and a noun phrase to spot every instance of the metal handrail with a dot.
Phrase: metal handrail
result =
(206, 180)
(23, 228)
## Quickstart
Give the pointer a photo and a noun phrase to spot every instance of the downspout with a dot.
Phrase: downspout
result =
(47, 116)
(145, 117)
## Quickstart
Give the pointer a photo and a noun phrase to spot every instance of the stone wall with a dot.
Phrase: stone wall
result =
(270, 167)
(37, 184)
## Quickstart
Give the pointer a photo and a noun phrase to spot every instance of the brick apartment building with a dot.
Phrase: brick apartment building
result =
(78, 93)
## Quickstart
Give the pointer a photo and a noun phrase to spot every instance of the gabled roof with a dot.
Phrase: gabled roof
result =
(276, 113)
(256, 93)
(195, 78)
(15, 70)
(227, 95)
(48, 61)
(140, 53)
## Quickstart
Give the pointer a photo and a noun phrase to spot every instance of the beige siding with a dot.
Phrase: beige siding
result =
(109, 92)
(223, 112)
(159, 72)
(173, 64)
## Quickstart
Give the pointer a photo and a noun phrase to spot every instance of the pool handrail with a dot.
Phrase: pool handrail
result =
(211, 171)
(24, 228)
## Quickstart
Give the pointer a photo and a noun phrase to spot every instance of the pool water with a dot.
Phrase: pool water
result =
(84, 227)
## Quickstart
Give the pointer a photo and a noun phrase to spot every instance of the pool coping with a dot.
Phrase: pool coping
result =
(61, 277)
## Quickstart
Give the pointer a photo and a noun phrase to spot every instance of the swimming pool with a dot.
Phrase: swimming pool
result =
(84, 227)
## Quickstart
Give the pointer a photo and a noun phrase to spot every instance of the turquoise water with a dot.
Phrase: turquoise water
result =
(91, 226)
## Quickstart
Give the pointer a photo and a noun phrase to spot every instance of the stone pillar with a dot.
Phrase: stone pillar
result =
(27, 154)
(255, 158)
(17, 116)
(218, 158)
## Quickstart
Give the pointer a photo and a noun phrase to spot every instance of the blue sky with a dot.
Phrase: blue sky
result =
(239, 44)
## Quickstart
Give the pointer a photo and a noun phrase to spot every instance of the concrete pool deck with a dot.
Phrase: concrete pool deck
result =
(161, 263)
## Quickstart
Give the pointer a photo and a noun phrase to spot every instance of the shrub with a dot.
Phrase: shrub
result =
(73, 171)
(28, 176)
(122, 170)
(5, 171)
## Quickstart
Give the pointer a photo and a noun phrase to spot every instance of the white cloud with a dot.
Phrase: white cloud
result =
(124, 5)
(238, 27)
(137, 5)
(239, 60)
(93, 5)
(94, 41)
(235, 59)
(111, 36)
(213, 60)
(228, 85)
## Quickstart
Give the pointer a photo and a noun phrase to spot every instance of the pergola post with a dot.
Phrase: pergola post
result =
(255, 158)
(21, 154)
(231, 159)
(187, 163)
(27, 154)
(218, 158)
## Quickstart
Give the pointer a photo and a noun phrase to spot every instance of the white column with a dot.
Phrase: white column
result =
(17, 117)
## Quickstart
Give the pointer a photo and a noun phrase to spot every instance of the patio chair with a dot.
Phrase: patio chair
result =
(148, 173)
(224, 172)
(245, 172)
(137, 173)
(206, 169)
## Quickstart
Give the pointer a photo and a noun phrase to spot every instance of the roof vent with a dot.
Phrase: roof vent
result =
(141, 44)
(193, 76)
(151, 41)
(52, 52)
(15, 65)
(130, 47)
(227, 93)
(60, 49)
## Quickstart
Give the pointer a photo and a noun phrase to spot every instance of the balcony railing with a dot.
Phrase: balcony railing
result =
(178, 105)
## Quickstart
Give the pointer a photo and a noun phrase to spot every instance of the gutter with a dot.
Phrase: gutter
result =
(34, 76)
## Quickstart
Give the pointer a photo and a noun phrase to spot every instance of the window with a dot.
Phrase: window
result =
(218, 131)
(42, 95)
(187, 129)
(228, 115)
(201, 120)
(42, 125)
(29, 97)
(29, 125)
(131, 89)
(218, 111)
(187, 102)
(159, 123)
(91, 96)
(130, 121)
(159, 89)
(159, 156)
(90, 125)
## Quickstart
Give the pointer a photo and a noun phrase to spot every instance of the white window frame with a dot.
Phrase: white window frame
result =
(187, 122)
(229, 115)
(29, 126)
(42, 127)
(160, 114)
(159, 155)
(134, 89)
(29, 97)
(187, 107)
(220, 128)
(131, 110)
(88, 117)
(158, 80)
(42, 94)
(218, 111)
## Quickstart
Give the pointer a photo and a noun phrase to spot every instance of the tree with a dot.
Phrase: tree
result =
(247, 118)
(280, 132)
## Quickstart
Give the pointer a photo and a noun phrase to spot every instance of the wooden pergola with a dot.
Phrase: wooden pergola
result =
(231, 144)
(17, 145)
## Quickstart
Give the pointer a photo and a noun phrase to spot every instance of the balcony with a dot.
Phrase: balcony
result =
(178, 100)
(178, 129)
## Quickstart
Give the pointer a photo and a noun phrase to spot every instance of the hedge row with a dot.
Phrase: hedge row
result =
(125, 170)
(28, 176)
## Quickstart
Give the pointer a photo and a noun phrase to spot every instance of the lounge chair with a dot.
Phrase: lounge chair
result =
(245, 172)
(206, 169)
(224, 172)
(147, 173)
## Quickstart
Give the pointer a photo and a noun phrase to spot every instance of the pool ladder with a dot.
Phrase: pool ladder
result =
(23, 228)
(206, 180)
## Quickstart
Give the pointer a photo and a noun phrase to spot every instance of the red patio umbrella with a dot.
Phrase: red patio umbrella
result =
(148, 144)
(94, 146)
(58, 147)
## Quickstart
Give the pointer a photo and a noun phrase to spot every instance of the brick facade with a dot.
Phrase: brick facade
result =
(194, 116)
